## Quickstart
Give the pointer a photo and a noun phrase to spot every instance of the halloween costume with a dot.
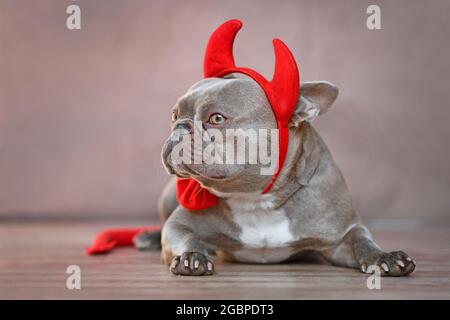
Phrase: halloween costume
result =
(282, 93)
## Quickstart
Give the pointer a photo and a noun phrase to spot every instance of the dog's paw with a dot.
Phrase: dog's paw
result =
(192, 264)
(395, 263)
(148, 240)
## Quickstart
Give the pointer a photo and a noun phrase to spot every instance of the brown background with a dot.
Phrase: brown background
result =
(83, 113)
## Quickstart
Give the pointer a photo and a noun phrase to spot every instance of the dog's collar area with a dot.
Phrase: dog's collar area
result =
(282, 93)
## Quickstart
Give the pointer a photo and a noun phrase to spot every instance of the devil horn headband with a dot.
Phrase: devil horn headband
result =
(282, 92)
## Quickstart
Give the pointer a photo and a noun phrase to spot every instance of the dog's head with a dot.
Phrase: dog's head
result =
(224, 132)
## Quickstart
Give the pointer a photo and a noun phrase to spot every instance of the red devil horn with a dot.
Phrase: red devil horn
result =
(219, 51)
(285, 83)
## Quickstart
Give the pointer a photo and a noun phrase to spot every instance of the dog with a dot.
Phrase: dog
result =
(308, 208)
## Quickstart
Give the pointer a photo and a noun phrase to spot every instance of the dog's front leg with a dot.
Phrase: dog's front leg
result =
(184, 251)
(358, 250)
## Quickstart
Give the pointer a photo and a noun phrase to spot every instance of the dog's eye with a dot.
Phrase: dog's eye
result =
(174, 116)
(216, 118)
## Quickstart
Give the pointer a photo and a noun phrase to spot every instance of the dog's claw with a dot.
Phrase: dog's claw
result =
(192, 264)
(363, 268)
(395, 263)
(174, 263)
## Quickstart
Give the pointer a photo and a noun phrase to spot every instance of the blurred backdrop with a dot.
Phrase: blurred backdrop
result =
(83, 113)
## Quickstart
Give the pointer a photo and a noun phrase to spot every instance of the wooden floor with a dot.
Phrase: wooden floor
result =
(34, 257)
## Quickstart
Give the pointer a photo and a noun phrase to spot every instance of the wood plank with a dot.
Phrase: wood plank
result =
(34, 257)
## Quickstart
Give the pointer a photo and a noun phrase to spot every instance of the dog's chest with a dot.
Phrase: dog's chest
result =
(265, 234)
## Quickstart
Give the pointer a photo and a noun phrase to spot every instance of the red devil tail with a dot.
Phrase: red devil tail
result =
(108, 239)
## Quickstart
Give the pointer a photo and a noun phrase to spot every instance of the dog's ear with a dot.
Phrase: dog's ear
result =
(316, 97)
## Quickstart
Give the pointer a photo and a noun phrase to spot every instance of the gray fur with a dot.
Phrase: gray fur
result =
(309, 205)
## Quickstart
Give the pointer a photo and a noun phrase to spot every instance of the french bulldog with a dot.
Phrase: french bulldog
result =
(308, 209)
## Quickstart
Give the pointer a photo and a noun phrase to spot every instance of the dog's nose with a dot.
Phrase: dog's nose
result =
(184, 125)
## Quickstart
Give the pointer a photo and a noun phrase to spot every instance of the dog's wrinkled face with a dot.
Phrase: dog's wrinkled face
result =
(224, 133)
(216, 112)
